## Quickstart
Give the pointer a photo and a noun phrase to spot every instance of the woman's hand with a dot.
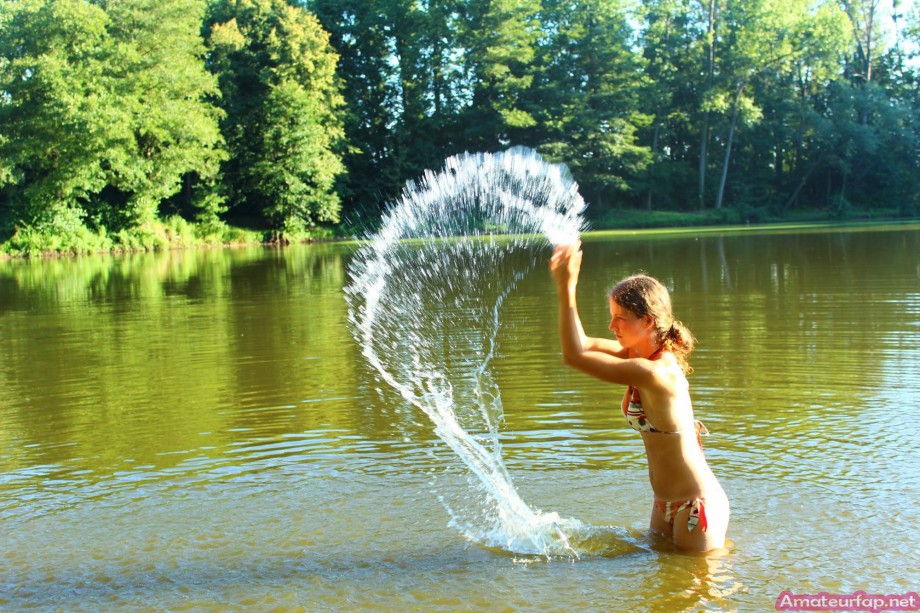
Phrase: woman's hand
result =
(565, 264)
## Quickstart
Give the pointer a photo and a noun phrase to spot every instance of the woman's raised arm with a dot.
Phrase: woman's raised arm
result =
(600, 358)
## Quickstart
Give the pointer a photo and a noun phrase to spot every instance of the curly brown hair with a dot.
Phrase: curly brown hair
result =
(645, 295)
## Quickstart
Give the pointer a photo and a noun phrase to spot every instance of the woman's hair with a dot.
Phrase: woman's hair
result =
(645, 295)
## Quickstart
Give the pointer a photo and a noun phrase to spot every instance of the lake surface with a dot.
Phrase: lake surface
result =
(198, 430)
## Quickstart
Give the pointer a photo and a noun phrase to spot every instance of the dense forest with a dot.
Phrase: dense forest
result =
(137, 123)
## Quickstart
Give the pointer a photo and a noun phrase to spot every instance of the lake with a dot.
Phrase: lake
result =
(196, 430)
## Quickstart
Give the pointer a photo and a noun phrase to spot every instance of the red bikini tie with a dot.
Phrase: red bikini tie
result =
(703, 522)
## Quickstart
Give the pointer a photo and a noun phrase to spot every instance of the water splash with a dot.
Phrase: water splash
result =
(425, 296)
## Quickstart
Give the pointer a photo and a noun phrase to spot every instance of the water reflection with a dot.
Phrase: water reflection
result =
(151, 357)
(693, 583)
(150, 360)
(212, 407)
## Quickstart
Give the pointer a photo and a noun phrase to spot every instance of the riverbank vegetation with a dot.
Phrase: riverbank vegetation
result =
(143, 124)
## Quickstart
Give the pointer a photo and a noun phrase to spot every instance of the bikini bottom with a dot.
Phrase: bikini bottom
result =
(670, 508)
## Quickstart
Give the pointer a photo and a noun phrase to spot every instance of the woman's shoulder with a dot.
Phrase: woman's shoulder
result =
(668, 374)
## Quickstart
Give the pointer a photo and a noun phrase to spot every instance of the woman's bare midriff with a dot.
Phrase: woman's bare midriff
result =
(677, 468)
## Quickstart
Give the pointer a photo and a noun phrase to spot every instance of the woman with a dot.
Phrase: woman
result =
(649, 356)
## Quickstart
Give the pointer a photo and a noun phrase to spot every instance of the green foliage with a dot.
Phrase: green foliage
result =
(298, 170)
(57, 128)
(101, 122)
(593, 87)
(281, 116)
(282, 104)
(62, 232)
(499, 38)
(360, 33)
(66, 233)
(163, 92)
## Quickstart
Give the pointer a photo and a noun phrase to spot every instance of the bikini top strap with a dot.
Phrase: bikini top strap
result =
(700, 431)
(633, 398)
(632, 392)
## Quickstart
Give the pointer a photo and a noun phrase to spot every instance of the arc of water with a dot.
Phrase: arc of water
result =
(517, 192)
(475, 456)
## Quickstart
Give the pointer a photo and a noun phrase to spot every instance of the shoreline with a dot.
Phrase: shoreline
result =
(627, 230)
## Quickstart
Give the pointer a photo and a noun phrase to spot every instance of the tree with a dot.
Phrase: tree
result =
(713, 18)
(867, 34)
(497, 43)
(908, 91)
(670, 95)
(586, 97)
(56, 126)
(912, 30)
(875, 136)
(360, 33)
(401, 80)
(276, 71)
(764, 37)
(166, 91)
(794, 120)
(100, 121)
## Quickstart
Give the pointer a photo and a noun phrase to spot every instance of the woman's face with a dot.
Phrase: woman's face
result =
(628, 328)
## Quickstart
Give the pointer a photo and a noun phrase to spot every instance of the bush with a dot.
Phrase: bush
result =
(752, 214)
(631, 218)
(62, 232)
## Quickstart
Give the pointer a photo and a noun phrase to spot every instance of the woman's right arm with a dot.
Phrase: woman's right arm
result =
(603, 360)
(566, 277)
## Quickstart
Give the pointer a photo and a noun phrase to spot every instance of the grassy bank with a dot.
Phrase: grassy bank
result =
(177, 233)
(637, 219)
(171, 233)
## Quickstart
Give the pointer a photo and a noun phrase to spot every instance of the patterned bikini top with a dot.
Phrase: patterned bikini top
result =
(635, 414)
(638, 421)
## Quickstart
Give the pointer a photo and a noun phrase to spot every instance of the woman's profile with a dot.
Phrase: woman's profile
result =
(649, 356)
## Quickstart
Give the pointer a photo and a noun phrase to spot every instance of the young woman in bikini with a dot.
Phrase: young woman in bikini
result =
(649, 357)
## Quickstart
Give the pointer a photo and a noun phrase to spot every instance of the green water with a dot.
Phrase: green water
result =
(197, 430)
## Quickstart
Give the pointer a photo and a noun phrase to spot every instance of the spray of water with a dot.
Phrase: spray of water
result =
(425, 295)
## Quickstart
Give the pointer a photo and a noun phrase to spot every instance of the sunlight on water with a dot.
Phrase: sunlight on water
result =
(426, 314)
(198, 430)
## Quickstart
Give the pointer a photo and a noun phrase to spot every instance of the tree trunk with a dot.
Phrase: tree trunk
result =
(801, 185)
(703, 162)
(779, 161)
(728, 145)
(710, 73)
(648, 193)
(728, 155)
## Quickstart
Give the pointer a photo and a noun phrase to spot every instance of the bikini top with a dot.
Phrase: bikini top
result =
(635, 414)
(636, 418)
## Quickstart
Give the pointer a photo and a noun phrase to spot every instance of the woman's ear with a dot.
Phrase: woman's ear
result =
(648, 322)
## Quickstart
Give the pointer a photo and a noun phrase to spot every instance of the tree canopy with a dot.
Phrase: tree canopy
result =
(101, 123)
(281, 102)
(288, 116)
